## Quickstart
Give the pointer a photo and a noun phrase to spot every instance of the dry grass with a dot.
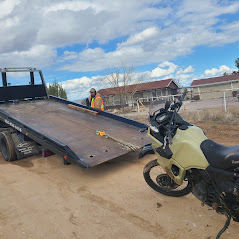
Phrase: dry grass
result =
(216, 115)
(213, 115)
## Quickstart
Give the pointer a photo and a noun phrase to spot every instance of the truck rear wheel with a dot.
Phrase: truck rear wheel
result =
(7, 146)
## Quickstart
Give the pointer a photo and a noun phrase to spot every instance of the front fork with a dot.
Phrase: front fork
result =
(171, 167)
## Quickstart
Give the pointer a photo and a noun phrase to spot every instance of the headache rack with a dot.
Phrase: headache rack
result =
(22, 92)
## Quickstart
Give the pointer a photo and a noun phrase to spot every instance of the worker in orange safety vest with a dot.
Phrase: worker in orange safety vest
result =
(95, 100)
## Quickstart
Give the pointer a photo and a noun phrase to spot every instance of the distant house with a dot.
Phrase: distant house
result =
(210, 88)
(112, 97)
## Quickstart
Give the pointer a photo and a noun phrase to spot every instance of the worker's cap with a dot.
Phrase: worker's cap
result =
(92, 90)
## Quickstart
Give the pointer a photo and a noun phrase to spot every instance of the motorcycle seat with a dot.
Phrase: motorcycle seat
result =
(220, 156)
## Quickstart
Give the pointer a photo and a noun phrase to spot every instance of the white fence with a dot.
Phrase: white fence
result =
(223, 100)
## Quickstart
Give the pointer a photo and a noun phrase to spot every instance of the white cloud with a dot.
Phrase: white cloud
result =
(160, 71)
(63, 23)
(76, 83)
(37, 56)
(152, 31)
(183, 76)
(217, 72)
(189, 69)
(141, 37)
(72, 6)
(7, 7)
(184, 79)
(79, 88)
(190, 24)
(70, 55)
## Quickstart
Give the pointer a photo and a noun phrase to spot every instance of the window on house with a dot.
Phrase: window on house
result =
(116, 102)
(148, 96)
(158, 93)
(174, 91)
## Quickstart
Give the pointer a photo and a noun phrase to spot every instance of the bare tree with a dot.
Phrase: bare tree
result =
(121, 78)
(177, 81)
(137, 85)
(126, 83)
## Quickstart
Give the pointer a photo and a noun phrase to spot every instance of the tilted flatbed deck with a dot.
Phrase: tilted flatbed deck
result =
(68, 131)
(52, 120)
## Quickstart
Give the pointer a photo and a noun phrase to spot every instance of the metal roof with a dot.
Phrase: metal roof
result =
(215, 80)
(169, 83)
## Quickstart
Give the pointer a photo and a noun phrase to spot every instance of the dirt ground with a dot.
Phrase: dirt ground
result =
(42, 198)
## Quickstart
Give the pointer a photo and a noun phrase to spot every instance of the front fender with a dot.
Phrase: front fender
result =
(147, 149)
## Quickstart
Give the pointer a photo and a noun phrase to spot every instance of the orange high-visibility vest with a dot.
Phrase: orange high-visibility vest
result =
(93, 103)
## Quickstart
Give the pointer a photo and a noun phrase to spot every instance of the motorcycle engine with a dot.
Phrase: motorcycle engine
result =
(230, 196)
(224, 200)
(205, 193)
(200, 191)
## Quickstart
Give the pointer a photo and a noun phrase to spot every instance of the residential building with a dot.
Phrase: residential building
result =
(215, 87)
(128, 95)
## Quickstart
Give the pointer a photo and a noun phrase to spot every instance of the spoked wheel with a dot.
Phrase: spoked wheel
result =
(163, 180)
(159, 180)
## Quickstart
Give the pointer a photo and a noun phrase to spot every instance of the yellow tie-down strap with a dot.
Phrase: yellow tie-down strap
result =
(101, 133)
(128, 145)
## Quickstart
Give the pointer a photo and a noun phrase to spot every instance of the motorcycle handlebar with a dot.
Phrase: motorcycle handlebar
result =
(175, 107)
(179, 103)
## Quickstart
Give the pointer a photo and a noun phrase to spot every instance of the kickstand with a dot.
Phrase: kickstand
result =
(225, 226)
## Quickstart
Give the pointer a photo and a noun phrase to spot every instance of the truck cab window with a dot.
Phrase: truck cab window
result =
(37, 78)
(18, 78)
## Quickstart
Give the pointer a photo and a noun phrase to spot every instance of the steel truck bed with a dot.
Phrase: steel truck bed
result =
(72, 133)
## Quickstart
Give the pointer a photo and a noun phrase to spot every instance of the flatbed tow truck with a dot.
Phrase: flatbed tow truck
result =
(31, 122)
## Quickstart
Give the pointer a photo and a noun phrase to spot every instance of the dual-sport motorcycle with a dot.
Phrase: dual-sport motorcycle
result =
(187, 161)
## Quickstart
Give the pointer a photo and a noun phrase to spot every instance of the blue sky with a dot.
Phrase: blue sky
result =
(79, 43)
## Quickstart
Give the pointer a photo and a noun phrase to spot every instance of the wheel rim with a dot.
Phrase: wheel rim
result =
(161, 179)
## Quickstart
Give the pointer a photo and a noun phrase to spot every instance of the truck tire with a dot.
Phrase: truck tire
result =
(7, 146)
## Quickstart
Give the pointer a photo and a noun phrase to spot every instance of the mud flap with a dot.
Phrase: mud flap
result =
(147, 149)
(24, 147)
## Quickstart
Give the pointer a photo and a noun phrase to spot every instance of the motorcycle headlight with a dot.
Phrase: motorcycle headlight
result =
(154, 129)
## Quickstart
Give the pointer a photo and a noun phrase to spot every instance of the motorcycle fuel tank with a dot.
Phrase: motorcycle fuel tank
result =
(186, 152)
(186, 148)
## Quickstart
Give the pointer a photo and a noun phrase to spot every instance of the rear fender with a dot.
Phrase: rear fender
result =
(147, 149)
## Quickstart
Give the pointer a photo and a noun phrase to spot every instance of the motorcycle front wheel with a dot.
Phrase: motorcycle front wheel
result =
(158, 180)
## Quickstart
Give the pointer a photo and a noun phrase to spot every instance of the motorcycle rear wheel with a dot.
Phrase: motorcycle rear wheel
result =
(163, 183)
